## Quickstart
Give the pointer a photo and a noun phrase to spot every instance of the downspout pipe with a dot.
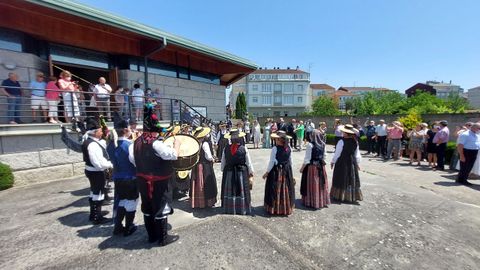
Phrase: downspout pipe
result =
(164, 44)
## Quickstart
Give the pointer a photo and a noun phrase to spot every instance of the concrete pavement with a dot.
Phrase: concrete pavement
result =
(411, 218)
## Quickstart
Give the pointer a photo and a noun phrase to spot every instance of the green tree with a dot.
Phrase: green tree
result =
(456, 103)
(240, 106)
(325, 106)
(411, 120)
(425, 103)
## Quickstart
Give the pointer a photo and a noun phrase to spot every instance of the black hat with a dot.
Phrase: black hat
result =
(119, 122)
(444, 123)
(92, 123)
(150, 119)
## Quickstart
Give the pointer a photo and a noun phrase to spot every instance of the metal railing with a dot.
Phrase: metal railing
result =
(62, 106)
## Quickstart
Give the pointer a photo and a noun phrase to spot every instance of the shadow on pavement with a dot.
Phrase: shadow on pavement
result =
(77, 219)
(185, 206)
(83, 202)
(455, 184)
(80, 192)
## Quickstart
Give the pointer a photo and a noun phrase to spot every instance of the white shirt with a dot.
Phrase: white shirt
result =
(338, 152)
(273, 159)
(164, 151)
(381, 130)
(308, 154)
(247, 127)
(138, 95)
(95, 153)
(247, 159)
(102, 91)
(208, 153)
(219, 134)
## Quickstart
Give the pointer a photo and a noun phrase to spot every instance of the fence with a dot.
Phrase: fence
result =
(37, 105)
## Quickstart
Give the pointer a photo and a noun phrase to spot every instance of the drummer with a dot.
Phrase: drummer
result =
(203, 189)
(154, 170)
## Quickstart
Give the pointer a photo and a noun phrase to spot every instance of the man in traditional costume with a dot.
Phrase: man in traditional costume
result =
(96, 163)
(120, 150)
(154, 169)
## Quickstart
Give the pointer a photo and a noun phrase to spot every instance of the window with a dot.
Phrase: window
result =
(267, 100)
(299, 99)
(277, 87)
(277, 100)
(254, 88)
(288, 100)
(254, 100)
(320, 93)
(288, 88)
(204, 77)
(300, 88)
(78, 56)
(266, 88)
(10, 40)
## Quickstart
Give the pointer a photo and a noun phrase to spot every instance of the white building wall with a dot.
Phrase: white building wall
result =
(474, 97)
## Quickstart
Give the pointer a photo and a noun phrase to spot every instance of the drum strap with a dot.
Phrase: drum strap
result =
(150, 179)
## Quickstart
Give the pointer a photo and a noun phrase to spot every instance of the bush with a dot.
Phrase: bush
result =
(6, 176)
(451, 146)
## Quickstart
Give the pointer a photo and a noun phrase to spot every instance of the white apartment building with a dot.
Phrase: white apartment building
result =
(444, 89)
(278, 92)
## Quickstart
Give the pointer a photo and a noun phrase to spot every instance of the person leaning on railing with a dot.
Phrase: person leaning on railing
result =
(102, 97)
(52, 96)
(11, 89)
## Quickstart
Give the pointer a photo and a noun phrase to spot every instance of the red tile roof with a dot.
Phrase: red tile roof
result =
(278, 71)
(343, 93)
(321, 86)
(353, 89)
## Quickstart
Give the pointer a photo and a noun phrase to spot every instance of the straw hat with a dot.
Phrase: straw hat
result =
(280, 134)
(201, 132)
(234, 132)
(349, 129)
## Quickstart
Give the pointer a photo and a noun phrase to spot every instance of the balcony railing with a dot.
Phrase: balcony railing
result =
(60, 106)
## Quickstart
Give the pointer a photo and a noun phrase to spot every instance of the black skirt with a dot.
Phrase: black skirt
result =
(235, 196)
(346, 180)
(203, 188)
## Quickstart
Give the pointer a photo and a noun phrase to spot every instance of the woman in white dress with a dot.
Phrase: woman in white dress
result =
(256, 134)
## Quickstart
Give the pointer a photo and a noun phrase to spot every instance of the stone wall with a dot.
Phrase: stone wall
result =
(192, 92)
(454, 120)
(44, 165)
(26, 66)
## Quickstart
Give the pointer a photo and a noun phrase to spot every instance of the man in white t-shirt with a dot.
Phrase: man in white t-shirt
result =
(38, 97)
(138, 99)
(381, 138)
(102, 97)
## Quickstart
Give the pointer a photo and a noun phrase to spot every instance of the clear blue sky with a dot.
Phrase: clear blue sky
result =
(387, 43)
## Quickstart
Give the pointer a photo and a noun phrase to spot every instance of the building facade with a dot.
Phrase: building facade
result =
(321, 89)
(44, 35)
(473, 96)
(443, 90)
(278, 92)
(345, 93)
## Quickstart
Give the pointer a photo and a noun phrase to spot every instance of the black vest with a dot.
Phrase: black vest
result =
(317, 153)
(86, 157)
(148, 162)
(283, 155)
(240, 157)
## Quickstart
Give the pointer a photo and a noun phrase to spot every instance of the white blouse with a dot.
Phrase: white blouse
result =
(208, 153)
(338, 152)
(273, 159)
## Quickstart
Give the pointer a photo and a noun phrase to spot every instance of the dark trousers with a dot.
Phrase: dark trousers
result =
(382, 145)
(370, 145)
(441, 156)
(293, 141)
(154, 196)
(466, 167)
(97, 183)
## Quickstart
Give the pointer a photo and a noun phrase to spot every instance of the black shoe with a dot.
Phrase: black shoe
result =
(92, 209)
(466, 183)
(161, 226)
(130, 228)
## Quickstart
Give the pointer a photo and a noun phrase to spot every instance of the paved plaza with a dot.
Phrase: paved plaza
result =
(411, 218)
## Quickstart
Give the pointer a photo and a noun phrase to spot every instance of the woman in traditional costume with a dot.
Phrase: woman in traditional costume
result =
(280, 186)
(203, 187)
(314, 186)
(346, 180)
(237, 170)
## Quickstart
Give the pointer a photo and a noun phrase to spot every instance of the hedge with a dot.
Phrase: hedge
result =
(6, 176)
(451, 146)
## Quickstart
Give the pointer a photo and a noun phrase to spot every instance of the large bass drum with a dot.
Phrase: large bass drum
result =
(189, 151)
